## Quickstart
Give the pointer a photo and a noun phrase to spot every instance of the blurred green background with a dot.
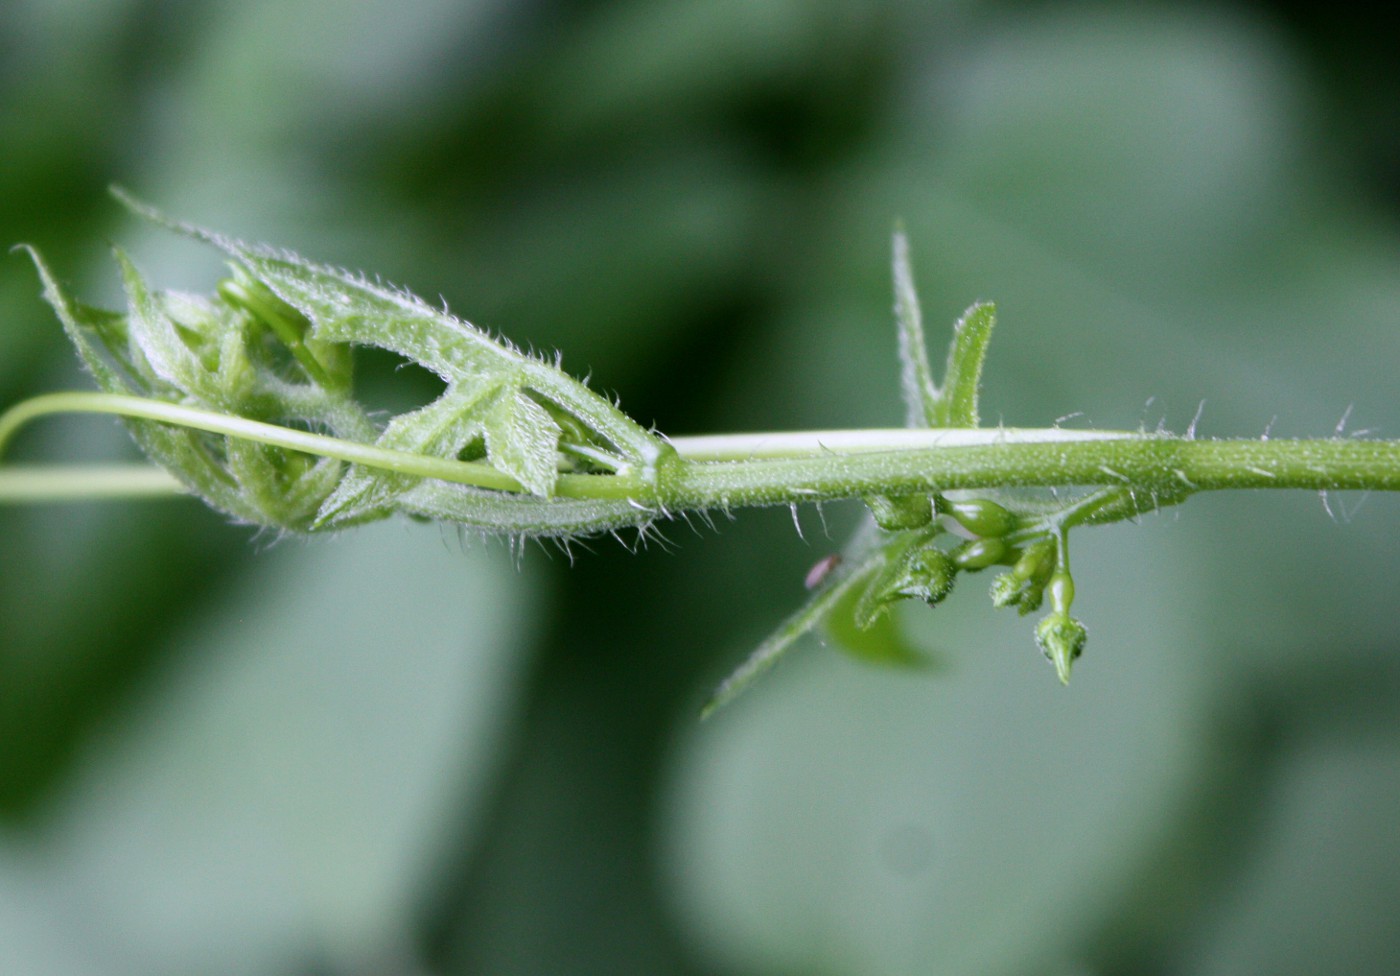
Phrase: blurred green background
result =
(401, 751)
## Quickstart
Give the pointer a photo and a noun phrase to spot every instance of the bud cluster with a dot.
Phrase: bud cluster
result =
(991, 534)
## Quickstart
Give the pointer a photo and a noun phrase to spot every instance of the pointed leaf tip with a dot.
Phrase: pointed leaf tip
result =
(139, 207)
(962, 381)
(916, 377)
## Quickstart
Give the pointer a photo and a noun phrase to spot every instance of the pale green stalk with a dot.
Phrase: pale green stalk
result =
(739, 470)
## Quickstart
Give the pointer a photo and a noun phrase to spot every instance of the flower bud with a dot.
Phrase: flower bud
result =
(894, 513)
(982, 517)
(1061, 640)
(922, 574)
(1007, 590)
(1036, 562)
(926, 574)
(980, 554)
(1024, 586)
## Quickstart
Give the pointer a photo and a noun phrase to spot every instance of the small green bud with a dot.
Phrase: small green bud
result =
(1031, 600)
(921, 574)
(981, 553)
(895, 513)
(1008, 590)
(982, 517)
(1061, 639)
(1024, 586)
(1036, 562)
(1011, 590)
(926, 574)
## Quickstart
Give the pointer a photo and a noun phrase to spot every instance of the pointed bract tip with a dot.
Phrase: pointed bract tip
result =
(1061, 640)
(129, 200)
(145, 211)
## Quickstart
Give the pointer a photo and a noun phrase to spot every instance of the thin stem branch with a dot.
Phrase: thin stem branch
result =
(83, 482)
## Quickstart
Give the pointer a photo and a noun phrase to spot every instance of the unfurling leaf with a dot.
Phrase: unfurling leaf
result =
(925, 403)
(272, 345)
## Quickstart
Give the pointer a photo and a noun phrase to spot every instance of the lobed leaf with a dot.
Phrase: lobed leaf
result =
(551, 415)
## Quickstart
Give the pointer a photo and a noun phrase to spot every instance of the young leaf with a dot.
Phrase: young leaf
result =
(522, 440)
(155, 335)
(272, 346)
(921, 398)
(962, 381)
(442, 428)
(880, 640)
(84, 324)
(347, 309)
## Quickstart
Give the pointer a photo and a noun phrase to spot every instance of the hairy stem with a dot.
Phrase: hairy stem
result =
(734, 471)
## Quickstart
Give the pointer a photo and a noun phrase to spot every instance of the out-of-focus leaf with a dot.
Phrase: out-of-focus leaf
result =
(1324, 869)
(278, 798)
(866, 821)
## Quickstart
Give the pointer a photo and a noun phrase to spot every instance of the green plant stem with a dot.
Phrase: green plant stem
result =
(733, 471)
(141, 408)
(1170, 465)
(84, 482)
